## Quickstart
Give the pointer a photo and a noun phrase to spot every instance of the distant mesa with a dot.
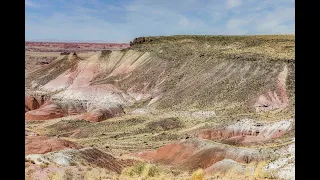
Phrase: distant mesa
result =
(79, 47)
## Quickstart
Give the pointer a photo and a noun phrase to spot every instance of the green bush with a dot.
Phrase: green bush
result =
(142, 170)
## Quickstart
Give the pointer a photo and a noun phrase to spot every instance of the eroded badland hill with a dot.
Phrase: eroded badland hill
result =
(176, 107)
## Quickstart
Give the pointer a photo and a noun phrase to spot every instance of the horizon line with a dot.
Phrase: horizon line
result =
(58, 41)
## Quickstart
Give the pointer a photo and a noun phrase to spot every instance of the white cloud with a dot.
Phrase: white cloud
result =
(121, 22)
(277, 21)
(31, 4)
(236, 26)
(81, 27)
(233, 3)
(186, 25)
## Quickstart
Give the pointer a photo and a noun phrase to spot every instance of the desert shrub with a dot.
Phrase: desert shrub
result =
(30, 171)
(150, 171)
(42, 166)
(29, 160)
(26, 165)
(29, 178)
(142, 170)
(72, 163)
(54, 176)
(135, 170)
(68, 175)
(95, 173)
(268, 174)
(198, 174)
(153, 171)
(260, 173)
(258, 170)
(80, 169)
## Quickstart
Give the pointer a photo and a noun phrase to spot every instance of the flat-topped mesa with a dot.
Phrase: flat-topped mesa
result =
(178, 71)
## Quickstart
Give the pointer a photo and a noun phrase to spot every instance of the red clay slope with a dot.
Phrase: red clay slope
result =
(49, 110)
(42, 145)
(34, 102)
(191, 154)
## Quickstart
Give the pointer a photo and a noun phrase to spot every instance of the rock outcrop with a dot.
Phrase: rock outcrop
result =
(140, 40)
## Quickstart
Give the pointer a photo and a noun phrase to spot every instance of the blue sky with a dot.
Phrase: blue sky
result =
(123, 20)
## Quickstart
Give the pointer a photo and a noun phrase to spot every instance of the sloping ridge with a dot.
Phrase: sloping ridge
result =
(42, 145)
(179, 72)
(191, 154)
(54, 69)
(88, 156)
